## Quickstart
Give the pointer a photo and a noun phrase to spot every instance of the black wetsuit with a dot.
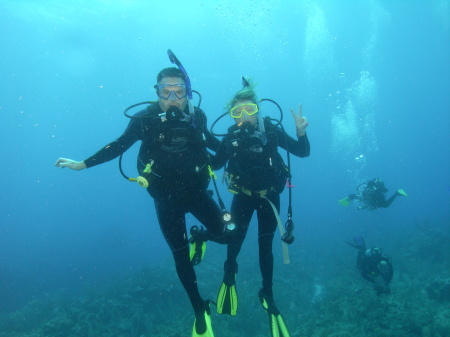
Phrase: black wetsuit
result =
(254, 167)
(371, 270)
(178, 181)
(372, 195)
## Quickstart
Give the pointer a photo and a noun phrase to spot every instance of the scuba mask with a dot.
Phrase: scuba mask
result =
(373, 252)
(248, 108)
(163, 91)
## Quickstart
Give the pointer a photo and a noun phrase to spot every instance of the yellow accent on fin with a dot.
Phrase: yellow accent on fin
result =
(344, 202)
(227, 300)
(209, 331)
(402, 193)
(196, 256)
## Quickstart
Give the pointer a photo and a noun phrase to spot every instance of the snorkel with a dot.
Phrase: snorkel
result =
(262, 129)
(175, 61)
(261, 133)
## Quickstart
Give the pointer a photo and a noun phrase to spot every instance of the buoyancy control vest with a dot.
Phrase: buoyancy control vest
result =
(176, 150)
(253, 165)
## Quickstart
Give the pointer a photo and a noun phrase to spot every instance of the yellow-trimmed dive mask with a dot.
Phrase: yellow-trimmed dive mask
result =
(248, 108)
(171, 91)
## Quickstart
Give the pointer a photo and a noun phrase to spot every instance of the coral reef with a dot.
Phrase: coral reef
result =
(334, 301)
(439, 290)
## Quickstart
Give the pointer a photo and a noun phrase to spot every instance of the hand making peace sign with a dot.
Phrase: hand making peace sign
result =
(300, 122)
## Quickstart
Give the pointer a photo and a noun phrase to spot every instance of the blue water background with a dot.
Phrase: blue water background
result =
(373, 78)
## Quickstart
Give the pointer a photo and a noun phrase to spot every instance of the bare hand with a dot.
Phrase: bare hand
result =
(300, 122)
(72, 164)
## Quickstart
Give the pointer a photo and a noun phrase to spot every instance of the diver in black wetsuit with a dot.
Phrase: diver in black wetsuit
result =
(372, 195)
(374, 266)
(256, 176)
(174, 155)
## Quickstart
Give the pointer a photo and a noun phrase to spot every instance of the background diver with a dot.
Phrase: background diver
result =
(256, 176)
(374, 266)
(173, 155)
(372, 195)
